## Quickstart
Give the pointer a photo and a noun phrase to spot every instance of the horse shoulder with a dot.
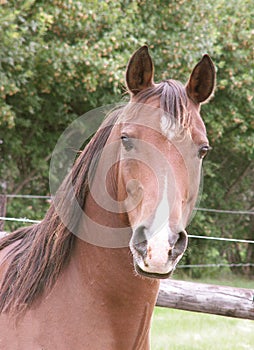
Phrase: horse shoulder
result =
(63, 318)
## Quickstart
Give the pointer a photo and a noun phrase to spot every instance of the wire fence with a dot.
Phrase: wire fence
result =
(220, 211)
(27, 196)
(215, 265)
(222, 239)
(233, 212)
(25, 220)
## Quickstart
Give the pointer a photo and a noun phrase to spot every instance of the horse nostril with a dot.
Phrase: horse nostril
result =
(141, 248)
(170, 252)
(140, 241)
(181, 243)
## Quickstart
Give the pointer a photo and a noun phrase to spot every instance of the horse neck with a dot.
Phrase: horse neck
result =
(108, 275)
(110, 268)
(119, 302)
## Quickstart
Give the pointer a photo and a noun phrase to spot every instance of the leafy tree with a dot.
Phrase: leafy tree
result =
(61, 58)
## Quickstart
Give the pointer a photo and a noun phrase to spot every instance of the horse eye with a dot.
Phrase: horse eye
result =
(127, 142)
(203, 151)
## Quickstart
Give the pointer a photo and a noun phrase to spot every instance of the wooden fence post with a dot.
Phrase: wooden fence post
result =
(207, 298)
(3, 201)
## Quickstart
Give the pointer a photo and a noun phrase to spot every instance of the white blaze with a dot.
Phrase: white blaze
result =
(158, 246)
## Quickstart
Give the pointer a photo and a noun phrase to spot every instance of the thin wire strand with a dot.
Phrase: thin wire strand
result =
(216, 265)
(222, 239)
(190, 236)
(2, 234)
(19, 220)
(27, 196)
(220, 211)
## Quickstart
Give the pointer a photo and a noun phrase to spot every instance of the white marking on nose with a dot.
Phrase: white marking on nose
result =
(158, 249)
(161, 217)
(158, 246)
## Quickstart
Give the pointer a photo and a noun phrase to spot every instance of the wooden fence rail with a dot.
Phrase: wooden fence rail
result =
(207, 298)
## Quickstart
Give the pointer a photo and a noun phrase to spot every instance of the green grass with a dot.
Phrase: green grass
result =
(184, 330)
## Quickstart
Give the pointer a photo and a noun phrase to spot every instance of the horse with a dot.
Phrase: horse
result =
(66, 282)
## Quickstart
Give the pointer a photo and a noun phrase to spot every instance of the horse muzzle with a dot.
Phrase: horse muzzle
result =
(157, 255)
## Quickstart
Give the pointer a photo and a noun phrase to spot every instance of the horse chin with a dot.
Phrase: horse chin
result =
(152, 274)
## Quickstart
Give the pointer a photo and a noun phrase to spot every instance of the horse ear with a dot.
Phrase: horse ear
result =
(202, 80)
(139, 73)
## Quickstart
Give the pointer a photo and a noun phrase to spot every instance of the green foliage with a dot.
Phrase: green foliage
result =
(60, 58)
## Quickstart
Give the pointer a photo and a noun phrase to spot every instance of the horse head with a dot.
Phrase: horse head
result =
(163, 142)
(152, 160)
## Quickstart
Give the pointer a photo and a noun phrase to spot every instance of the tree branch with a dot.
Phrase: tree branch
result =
(29, 178)
(237, 180)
